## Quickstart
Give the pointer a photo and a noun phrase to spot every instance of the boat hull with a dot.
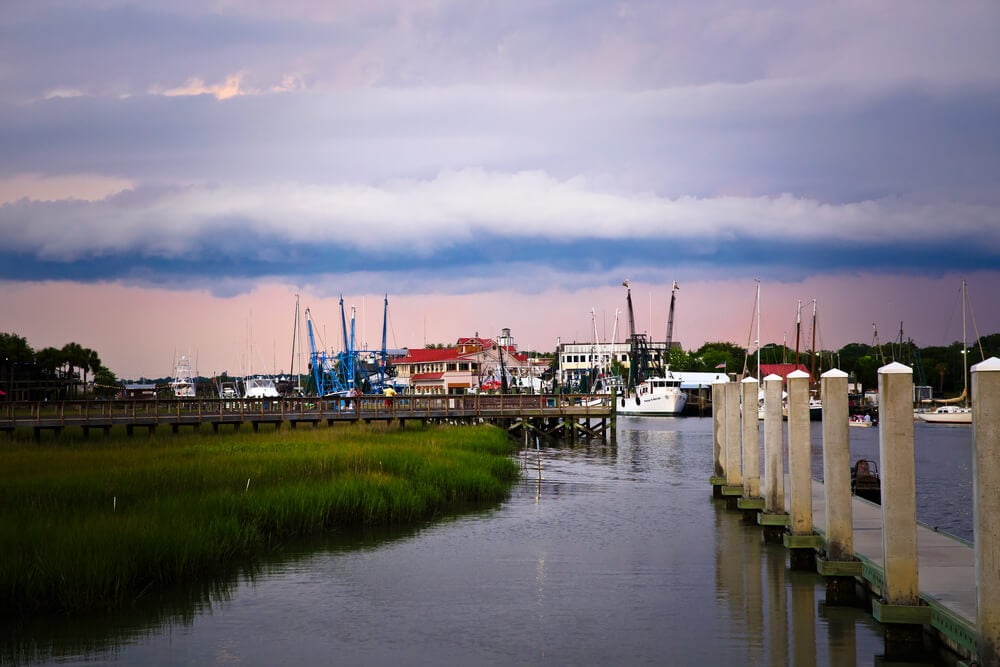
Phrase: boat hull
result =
(653, 405)
(945, 417)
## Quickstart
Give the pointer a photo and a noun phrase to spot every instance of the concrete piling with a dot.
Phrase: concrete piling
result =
(718, 479)
(774, 518)
(751, 502)
(734, 467)
(837, 563)
(800, 539)
(986, 507)
(899, 607)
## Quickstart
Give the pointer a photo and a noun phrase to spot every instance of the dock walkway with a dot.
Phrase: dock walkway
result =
(946, 565)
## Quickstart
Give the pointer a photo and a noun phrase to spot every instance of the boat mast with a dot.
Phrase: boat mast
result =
(384, 367)
(670, 323)
(877, 344)
(965, 354)
(812, 350)
(297, 332)
(798, 330)
(598, 356)
(757, 280)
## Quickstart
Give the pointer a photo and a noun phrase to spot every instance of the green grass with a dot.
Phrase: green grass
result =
(95, 524)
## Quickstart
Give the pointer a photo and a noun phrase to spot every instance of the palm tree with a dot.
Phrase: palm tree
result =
(93, 364)
(74, 356)
(942, 369)
(49, 361)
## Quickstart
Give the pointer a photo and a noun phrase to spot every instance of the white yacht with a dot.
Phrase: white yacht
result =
(259, 386)
(183, 383)
(947, 414)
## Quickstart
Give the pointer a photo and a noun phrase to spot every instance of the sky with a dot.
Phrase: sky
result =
(175, 177)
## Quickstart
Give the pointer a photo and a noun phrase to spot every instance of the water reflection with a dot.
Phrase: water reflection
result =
(604, 554)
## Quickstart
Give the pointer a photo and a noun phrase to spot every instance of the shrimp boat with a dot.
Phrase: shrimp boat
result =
(655, 396)
(650, 393)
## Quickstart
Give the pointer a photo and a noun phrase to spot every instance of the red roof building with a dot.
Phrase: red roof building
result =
(467, 366)
(781, 370)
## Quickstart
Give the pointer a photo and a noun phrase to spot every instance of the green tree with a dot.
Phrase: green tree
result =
(15, 349)
(93, 364)
(710, 355)
(74, 356)
(105, 382)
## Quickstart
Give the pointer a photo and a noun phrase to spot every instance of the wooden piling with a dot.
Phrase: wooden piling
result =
(986, 507)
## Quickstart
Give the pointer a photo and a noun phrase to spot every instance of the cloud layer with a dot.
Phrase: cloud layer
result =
(433, 145)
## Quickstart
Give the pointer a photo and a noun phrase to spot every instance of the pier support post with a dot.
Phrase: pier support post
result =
(774, 518)
(614, 416)
(837, 563)
(986, 507)
(734, 472)
(800, 540)
(751, 502)
(718, 438)
(899, 608)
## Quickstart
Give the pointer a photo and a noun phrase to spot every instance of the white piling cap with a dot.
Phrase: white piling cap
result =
(895, 367)
(748, 380)
(834, 373)
(772, 377)
(795, 375)
(991, 364)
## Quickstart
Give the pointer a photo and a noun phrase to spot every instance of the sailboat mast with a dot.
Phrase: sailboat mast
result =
(798, 330)
(296, 336)
(757, 280)
(812, 350)
(965, 354)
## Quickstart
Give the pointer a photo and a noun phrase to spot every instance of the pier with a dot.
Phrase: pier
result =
(569, 416)
(919, 582)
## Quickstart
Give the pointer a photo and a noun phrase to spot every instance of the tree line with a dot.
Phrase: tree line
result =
(939, 367)
(72, 371)
(66, 372)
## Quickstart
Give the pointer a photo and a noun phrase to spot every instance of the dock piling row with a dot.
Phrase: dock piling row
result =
(892, 576)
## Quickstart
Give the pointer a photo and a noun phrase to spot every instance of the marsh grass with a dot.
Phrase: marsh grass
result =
(97, 524)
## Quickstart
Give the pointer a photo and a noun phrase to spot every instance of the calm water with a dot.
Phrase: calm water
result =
(602, 555)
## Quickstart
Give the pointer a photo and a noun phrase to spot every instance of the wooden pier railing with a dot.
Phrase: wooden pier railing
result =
(545, 414)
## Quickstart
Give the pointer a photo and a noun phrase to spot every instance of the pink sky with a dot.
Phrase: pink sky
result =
(138, 331)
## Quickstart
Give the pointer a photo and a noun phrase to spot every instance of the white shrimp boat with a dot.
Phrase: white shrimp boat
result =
(655, 396)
